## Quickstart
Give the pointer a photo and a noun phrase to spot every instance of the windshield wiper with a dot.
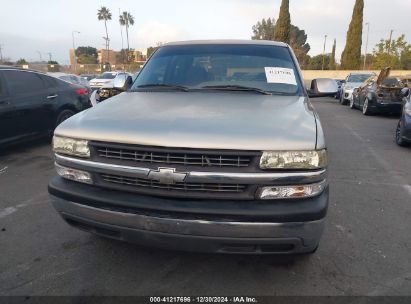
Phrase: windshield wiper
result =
(163, 85)
(236, 88)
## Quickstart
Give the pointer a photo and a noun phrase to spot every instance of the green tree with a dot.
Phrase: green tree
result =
(316, 62)
(264, 30)
(21, 61)
(126, 56)
(283, 25)
(369, 61)
(298, 42)
(151, 50)
(395, 53)
(103, 14)
(351, 56)
(86, 55)
(127, 20)
(333, 64)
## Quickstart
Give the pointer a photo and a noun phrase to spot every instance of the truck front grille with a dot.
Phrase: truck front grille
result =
(181, 186)
(163, 156)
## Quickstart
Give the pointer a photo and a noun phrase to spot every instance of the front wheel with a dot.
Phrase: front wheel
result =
(352, 104)
(398, 135)
(65, 114)
(342, 98)
(366, 107)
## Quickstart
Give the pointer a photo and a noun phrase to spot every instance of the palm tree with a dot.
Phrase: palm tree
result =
(126, 19)
(104, 14)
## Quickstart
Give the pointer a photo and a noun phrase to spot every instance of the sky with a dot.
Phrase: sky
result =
(30, 28)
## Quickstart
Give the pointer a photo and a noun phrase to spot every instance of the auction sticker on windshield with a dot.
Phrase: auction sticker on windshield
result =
(280, 75)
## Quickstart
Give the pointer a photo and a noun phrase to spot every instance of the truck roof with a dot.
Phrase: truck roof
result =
(227, 41)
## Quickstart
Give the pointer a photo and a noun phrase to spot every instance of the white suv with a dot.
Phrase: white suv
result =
(104, 79)
(352, 82)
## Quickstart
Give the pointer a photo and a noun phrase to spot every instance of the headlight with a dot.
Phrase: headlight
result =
(74, 174)
(285, 192)
(71, 146)
(294, 159)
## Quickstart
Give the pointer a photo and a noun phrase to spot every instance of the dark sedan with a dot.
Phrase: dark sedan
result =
(379, 95)
(403, 132)
(32, 104)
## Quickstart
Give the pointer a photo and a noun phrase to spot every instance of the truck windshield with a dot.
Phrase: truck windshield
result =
(222, 66)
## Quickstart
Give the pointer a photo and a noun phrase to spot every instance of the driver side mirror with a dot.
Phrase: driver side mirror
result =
(122, 82)
(323, 87)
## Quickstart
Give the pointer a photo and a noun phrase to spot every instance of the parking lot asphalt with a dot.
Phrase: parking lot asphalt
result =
(365, 249)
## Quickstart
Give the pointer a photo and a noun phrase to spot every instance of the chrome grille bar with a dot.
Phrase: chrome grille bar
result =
(175, 158)
(138, 182)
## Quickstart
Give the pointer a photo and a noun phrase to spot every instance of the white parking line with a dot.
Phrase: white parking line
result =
(30, 202)
(383, 163)
(7, 211)
(407, 188)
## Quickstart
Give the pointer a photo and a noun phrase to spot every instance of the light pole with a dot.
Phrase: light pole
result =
(1, 53)
(41, 59)
(50, 56)
(74, 49)
(325, 42)
(366, 44)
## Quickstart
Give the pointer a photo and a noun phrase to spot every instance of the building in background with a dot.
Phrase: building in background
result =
(111, 56)
(114, 57)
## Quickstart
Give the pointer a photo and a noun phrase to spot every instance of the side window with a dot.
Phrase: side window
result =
(50, 82)
(21, 82)
(74, 79)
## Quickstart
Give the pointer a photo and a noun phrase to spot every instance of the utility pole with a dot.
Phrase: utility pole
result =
(107, 40)
(121, 32)
(389, 42)
(74, 50)
(366, 44)
(49, 56)
(41, 59)
(325, 42)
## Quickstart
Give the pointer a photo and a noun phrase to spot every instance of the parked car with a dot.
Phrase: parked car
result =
(88, 77)
(104, 79)
(379, 94)
(352, 82)
(403, 131)
(72, 79)
(340, 83)
(32, 104)
(119, 85)
(216, 147)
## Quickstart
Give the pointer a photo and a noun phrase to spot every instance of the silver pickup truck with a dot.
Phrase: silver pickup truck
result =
(214, 148)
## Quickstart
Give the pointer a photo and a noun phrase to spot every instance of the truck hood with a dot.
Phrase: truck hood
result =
(240, 121)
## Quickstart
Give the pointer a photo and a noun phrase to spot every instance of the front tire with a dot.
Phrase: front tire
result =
(366, 108)
(352, 104)
(398, 137)
(65, 114)
(342, 100)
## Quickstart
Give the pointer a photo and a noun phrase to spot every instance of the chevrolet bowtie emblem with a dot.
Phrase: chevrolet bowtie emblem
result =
(167, 176)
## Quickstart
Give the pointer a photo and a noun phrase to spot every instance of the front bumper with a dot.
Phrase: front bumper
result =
(348, 94)
(256, 227)
(406, 127)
